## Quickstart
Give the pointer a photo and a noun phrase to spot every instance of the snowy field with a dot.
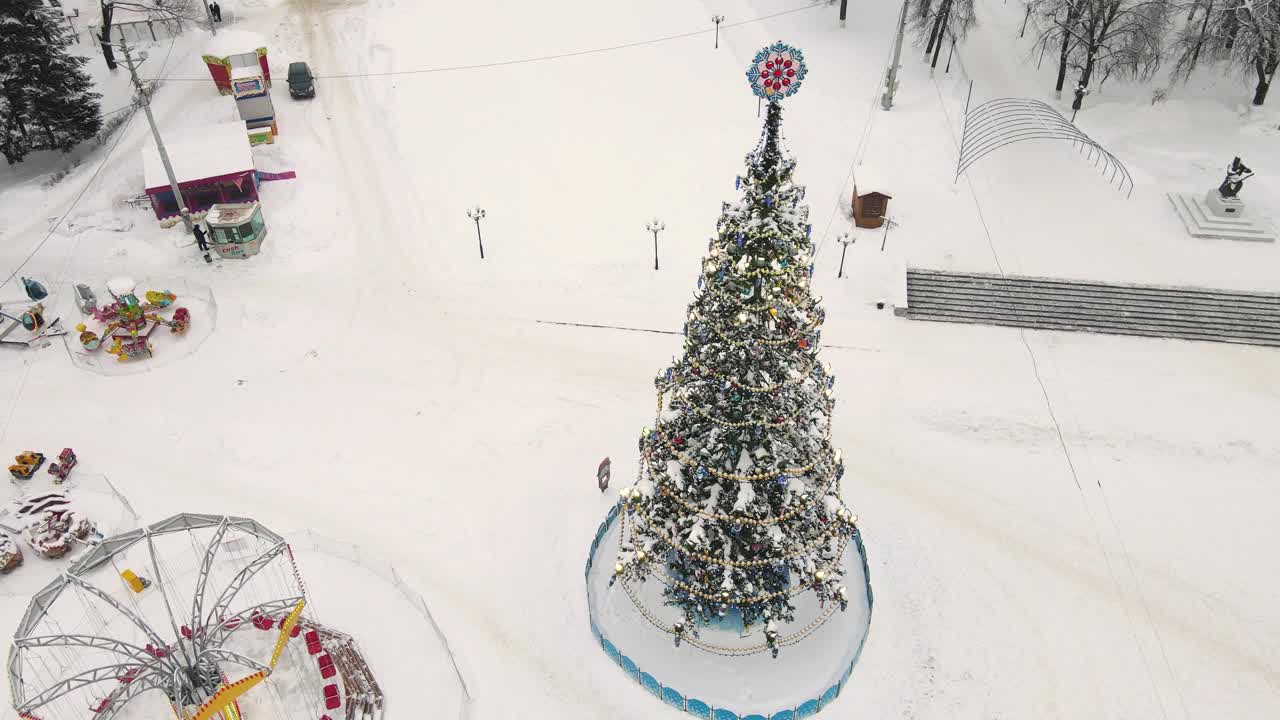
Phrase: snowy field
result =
(1058, 526)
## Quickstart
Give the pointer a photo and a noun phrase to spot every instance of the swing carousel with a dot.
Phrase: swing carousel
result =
(197, 617)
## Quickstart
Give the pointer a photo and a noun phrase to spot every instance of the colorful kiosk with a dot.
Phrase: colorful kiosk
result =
(246, 76)
(236, 230)
(212, 165)
(232, 50)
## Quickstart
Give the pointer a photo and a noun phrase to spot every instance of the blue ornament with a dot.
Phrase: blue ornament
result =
(768, 200)
(783, 480)
(808, 231)
(840, 471)
(669, 373)
(700, 473)
(737, 183)
(831, 382)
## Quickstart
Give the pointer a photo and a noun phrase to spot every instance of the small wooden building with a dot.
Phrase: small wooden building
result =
(870, 201)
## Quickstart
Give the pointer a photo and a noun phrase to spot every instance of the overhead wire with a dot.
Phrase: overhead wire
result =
(544, 58)
(1071, 466)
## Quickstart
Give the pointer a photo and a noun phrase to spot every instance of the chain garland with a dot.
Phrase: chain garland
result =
(752, 388)
(796, 637)
(757, 477)
(750, 600)
(730, 563)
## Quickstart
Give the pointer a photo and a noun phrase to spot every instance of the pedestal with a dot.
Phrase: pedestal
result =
(710, 676)
(1212, 216)
(1224, 207)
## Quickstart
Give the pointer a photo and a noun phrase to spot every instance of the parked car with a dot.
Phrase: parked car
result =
(301, 82)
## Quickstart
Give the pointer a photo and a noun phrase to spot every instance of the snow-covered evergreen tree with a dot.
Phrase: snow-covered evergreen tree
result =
(48, 98)
(737, 506)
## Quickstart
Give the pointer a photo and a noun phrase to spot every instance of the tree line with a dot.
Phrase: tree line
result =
(1094, 40)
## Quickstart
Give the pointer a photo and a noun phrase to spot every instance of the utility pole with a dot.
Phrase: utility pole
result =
(844, 11)
(144, 98)
(891, 82)
(717, 19)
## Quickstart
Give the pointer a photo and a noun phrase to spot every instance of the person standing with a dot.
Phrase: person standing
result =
(201, 242)
(216, 9)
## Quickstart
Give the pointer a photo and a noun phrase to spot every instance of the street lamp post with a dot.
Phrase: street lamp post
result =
(655, 226)
(846, 241)
(477, 214)
(717, 19)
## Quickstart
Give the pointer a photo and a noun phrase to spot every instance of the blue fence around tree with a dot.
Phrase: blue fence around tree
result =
(698, 708)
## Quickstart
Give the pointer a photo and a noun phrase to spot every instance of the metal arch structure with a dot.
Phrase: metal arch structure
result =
(178, 674)
(1005, 121)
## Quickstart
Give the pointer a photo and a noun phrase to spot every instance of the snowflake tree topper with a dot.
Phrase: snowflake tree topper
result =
(776, 72)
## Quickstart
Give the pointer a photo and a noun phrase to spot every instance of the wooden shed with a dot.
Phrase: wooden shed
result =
(870, 201)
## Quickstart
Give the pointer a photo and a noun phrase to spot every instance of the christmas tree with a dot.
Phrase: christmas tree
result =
(737, 509)
(46, 99)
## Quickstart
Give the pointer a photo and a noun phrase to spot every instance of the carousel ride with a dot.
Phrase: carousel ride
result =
(192, 618)
(128, 323)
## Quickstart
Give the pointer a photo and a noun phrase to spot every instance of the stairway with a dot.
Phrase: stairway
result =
(1048, 304)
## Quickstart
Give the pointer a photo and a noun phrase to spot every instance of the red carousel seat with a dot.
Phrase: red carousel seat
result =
(327, 669)
(331, 699)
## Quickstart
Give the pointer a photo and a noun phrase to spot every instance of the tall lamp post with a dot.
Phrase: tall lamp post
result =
(717, 19)
(846, 241)
(477, 214)
(655, 226)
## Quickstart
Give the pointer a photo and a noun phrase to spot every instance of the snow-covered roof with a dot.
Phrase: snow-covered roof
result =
(246, 71)
(122, 285)
(234, 42)
(872, 178)
(230, 213)
(198, 153)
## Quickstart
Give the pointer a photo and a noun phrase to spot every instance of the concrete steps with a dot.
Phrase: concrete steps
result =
(1201, 222)
(1065, 305)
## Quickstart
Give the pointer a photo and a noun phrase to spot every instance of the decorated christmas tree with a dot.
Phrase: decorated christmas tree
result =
(737, 508)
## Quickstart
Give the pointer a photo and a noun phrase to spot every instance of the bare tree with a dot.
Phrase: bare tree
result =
(1197, 37)
(940, 19)
(1104, 37)
(1058, 18)
(1252, 40)
(167, 10)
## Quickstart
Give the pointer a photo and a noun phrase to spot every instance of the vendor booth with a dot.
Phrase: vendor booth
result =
(232, 51)
(236, 230)
(212, 165)
(246, 76)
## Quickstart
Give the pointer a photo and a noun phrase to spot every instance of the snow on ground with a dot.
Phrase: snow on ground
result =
(371, 378)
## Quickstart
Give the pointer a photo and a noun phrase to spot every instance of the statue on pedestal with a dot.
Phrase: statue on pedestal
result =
(1237, 172)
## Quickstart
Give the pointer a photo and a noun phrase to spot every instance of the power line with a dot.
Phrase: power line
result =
(88, 184)
(70, 207)
(543, 58)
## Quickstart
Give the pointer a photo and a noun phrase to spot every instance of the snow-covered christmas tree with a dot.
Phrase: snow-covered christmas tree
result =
(737, 508)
